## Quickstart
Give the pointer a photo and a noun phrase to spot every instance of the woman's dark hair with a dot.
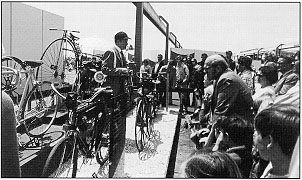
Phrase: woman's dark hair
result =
(269, 70)
(282, 122)
(211, 165)
(246, 61)
(237, 127)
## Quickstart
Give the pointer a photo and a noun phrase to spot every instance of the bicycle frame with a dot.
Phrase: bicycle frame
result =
(29, 80)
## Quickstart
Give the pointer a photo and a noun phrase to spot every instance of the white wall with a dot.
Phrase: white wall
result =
(25, 32)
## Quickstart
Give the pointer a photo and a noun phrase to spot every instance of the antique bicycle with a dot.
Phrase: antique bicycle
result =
(57, 54)
(145, 111)
(87, 132)
(37, 104)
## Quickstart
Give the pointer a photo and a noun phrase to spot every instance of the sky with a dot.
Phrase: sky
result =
(213, 26)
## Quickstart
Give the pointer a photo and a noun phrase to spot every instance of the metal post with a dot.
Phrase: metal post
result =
(167, 89)
(167, 38)
(175, 39)
(138, 38)
(258, 51)
(278, 51)
(166, 58)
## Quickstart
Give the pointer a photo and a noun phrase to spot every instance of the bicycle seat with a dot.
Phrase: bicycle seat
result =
(33, 63)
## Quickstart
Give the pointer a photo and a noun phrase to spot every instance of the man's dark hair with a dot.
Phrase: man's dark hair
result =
(229, 52)
(204, 54)
(282, 122)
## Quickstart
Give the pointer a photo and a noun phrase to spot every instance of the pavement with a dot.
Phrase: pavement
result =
(169, 147)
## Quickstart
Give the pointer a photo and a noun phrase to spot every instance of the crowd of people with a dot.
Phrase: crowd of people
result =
(253, 118)
(249, 117)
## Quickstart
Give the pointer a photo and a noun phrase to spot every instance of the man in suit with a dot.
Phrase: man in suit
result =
(162, 77)
(231, 95)
(158, 65)
(288, 78)
(115, 67)
(161, 87)
(230, 61)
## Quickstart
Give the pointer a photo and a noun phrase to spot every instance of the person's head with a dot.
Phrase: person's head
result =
(121, 40)
(297, 68)
(285, 64)
(194, 61)
(210, 165)
(214, 66)
(179, 59)
(204, 56)
(228, 54)
(189, 57)
(297, 56)
(267, 74)
(145, 62)
(171, 62)
(159, 57)
(231, 130)
(276, 131)
(244, 63)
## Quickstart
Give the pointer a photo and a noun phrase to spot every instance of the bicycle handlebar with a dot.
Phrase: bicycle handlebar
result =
(65, 30)
(91, 99)
(11, 71)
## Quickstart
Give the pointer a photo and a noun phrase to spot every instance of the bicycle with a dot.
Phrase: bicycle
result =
(87, 133)
(37, 103)
(55, 57)
(146, 106)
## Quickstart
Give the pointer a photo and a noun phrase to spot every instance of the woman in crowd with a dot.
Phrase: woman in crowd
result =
(246, 72)
(276, 131)
(145, 69)
(265, 95)
(210, 165)
(230, 132)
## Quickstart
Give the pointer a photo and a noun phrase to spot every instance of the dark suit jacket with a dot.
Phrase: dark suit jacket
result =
(288, 80)
(111, 60)
(231, 95)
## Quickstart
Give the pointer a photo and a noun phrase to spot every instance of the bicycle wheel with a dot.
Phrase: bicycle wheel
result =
(61, 159)
(7, 84)
(54, 60)
(141, 126)
(102, 151)
(150, 116)
(39, 109)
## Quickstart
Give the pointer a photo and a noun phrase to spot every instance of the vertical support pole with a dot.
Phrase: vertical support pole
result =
(167, 89)
(138, 38)
(167, 43)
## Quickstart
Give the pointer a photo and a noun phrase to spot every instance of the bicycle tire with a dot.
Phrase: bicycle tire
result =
(54, 61)
(6, 81)
(150, 117)
(40, 102)
(60, 158)
(141, 126)
(102, 151)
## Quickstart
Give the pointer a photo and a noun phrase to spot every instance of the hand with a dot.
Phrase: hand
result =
(122, 70)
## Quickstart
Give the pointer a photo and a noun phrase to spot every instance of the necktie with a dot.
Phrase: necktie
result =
(123, 59)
